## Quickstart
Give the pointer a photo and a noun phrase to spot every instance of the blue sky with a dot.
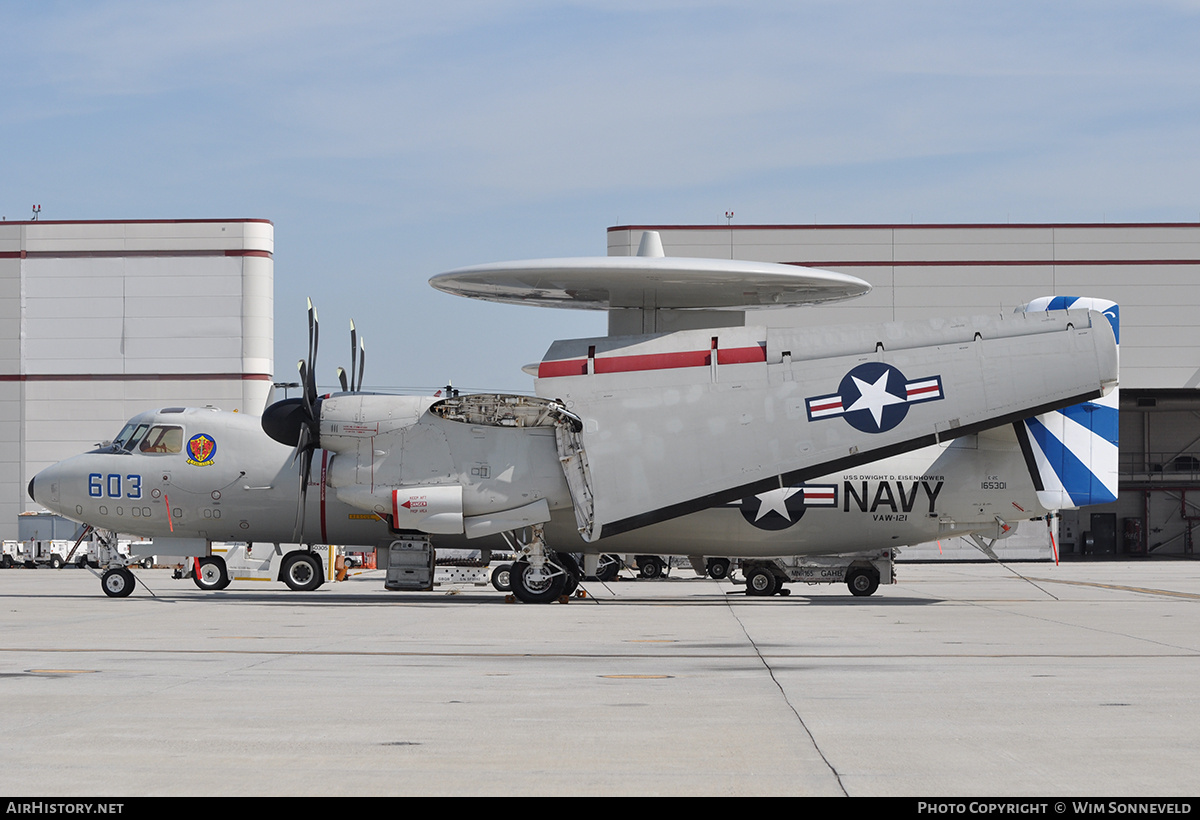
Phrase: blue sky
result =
(391, 141)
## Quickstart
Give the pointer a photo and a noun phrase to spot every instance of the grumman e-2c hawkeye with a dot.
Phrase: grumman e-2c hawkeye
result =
(627, 436)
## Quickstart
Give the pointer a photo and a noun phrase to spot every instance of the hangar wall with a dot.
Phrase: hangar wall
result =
(919, 271)
(102, 320)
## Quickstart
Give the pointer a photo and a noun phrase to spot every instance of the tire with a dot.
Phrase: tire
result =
(650, 566)
(608, 568)
(574, 573)
(862, 581)
(118, 583)
(761, 581)
(56, 562)
(301, 571)
(500, 579)
(211, 574)
(533, 587)
(718, 568)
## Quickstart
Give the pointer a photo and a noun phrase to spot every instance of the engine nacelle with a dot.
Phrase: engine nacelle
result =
(474, 465)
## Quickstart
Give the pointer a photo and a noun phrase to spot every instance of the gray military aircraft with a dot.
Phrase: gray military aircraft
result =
(629, 438)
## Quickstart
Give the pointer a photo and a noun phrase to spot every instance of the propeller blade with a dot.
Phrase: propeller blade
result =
(308, 407)
(353, 345)
(302, 442)
(341, 373)
(362, 362)
(305, 469)
(314, 333)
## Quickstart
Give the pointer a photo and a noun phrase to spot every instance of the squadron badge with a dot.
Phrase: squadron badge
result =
(200, 450)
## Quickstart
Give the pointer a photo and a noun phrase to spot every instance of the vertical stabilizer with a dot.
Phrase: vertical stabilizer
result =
(1073, 451)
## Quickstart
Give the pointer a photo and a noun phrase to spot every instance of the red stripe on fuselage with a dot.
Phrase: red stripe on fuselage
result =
(652, 361)
(324, 468)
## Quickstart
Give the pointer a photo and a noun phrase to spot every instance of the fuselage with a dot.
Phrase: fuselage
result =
(978, 484)
(204, 473)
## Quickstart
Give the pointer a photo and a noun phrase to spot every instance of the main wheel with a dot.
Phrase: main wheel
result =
(117, 582)
(718, 568)
(574, 573)
(500, 579)
(761, 581)
(211, 574)
(534, 586)
(302, 571)
(862, 581)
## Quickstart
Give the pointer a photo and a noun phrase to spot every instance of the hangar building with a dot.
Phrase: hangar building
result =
(105, 319)
(919, 271)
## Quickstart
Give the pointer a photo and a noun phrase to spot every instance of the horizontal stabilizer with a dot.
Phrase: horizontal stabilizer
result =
(674, 423)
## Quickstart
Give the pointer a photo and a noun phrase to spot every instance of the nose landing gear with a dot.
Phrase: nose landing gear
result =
(118, 582)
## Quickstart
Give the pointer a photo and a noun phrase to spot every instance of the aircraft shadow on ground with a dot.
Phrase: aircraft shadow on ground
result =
(327, 598)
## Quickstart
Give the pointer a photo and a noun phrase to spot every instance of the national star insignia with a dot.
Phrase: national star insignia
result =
(874, 396)
(775, 501)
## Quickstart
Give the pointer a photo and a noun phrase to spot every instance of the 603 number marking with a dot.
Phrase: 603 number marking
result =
(114, 485)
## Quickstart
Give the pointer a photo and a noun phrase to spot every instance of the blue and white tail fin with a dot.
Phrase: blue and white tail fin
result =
(1073, 451)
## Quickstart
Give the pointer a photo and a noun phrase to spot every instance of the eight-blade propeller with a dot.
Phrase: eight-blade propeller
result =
(297, 422)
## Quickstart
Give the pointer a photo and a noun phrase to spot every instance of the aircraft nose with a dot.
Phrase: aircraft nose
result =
(43, 487)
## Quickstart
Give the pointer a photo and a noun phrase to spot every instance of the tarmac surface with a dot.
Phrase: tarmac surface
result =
(962, 680)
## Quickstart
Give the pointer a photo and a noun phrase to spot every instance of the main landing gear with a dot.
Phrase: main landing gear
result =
(540, 575)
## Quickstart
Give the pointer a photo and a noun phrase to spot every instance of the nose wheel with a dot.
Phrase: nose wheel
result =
(118, 582)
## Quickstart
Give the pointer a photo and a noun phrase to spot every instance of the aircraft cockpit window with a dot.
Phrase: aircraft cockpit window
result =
(162, 438)
(129, 436)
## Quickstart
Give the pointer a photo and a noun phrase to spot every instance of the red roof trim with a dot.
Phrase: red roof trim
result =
(133, 377)
(991, 263)
(899, 227)
(128, 221)
(139, 253)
